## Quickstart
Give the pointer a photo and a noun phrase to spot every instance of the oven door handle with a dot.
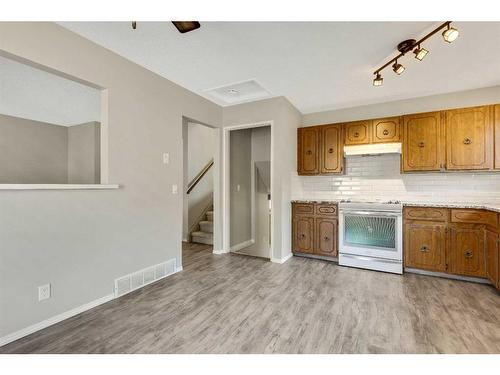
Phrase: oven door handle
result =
(370, 213)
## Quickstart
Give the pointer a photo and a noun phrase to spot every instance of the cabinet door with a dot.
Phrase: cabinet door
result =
(496, 117)
(425, 246)
(469, 138)
(358, 132)
(386, 130)
(326, 236)
(492, 257)
(303, 234)
(466, 251)
(308, 151)
(331, 149)
(422, 144)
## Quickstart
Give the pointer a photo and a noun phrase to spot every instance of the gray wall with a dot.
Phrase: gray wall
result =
(285, 119)
(489, 95)
(32, 152)
(240, 153)
(81, 240)
(84, 148)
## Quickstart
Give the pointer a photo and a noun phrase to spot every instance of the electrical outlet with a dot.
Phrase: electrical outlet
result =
(174, 189)
(166, 158)
(43, 292)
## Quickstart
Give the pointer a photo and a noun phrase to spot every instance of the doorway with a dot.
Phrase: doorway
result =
(247, 197)
(200, 185)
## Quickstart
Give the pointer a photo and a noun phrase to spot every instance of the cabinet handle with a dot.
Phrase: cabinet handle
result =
(468, 253)
(424, 249)
(302, 235)
(385, 132)
(467, 141)
(308, 152)
(421, 144)
(326, 238)
(356, 135)
(330, 150)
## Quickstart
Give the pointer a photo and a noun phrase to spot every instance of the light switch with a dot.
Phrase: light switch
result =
(174, 189)
(166, 158)
(238, 187)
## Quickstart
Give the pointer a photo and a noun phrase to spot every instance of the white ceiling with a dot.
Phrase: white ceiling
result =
(34, 94)
(316, 65)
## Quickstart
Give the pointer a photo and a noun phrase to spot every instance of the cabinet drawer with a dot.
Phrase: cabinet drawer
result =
(426, 213)
(303, 208)
(326, 209)
(474, 217)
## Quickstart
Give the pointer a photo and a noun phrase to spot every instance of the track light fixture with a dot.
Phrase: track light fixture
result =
(420, 53)
(449, 35)
(398, 68)
(378, 80)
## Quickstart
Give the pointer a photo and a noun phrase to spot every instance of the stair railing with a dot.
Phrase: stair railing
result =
(199, 176)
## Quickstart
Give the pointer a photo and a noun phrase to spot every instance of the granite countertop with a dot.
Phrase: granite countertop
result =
(413, 203)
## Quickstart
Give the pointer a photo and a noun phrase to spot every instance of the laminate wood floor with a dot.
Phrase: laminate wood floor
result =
(238, 304)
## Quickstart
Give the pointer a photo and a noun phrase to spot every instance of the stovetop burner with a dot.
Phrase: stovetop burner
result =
(368, 201)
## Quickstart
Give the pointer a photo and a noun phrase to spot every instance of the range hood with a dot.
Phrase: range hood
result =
(373, 149)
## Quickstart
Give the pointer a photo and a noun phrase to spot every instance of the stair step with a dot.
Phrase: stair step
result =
(202, 237)
(210, 216)
(207, 226)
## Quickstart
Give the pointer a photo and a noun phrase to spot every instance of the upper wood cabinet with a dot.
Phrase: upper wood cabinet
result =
(331, 148)
(469, 138)
(358, 132)
(422, 142)
(320, 150)
(386, 130)
(308, 143)
(496, 116)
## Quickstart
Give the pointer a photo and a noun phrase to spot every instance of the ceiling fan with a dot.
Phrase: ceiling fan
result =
(182, 26)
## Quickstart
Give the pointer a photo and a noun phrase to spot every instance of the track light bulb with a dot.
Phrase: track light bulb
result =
(378, 80)
(420, 53)
(450, 34)
(398, 68)
(134, 25)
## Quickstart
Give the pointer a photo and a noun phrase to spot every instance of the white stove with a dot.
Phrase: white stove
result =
(371, 234)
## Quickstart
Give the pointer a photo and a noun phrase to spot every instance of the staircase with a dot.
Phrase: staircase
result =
(206, 233)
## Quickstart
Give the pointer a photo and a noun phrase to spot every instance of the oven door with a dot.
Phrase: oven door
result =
(371, 233)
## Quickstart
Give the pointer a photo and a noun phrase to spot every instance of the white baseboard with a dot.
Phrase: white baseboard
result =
(219, 251)
(242, 245)
(282, 260)
(60, 317)
(55, 319)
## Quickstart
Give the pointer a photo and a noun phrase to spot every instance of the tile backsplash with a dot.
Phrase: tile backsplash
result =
(380, 177)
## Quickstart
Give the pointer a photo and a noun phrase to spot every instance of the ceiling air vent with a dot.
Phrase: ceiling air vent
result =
(240, 92)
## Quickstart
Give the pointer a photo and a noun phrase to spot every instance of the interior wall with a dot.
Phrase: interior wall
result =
(81, 240)
(84, 153)
(285, 119)
(240, 186)
(32, 152)
(469, 98)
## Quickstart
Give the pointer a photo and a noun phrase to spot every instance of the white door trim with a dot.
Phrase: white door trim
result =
(226, 219)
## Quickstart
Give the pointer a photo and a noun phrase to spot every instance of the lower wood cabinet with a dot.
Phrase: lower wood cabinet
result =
(462, 242)
(492, 257)
(315, 228)
(466, 250)
(425, 246)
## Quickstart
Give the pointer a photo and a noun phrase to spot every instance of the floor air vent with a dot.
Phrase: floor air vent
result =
(136, 280)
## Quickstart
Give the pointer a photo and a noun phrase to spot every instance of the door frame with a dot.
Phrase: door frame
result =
(226, 217)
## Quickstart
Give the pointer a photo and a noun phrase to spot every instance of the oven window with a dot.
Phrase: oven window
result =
(370, 231)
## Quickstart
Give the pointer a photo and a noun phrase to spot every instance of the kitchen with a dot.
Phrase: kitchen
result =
(407, 193)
